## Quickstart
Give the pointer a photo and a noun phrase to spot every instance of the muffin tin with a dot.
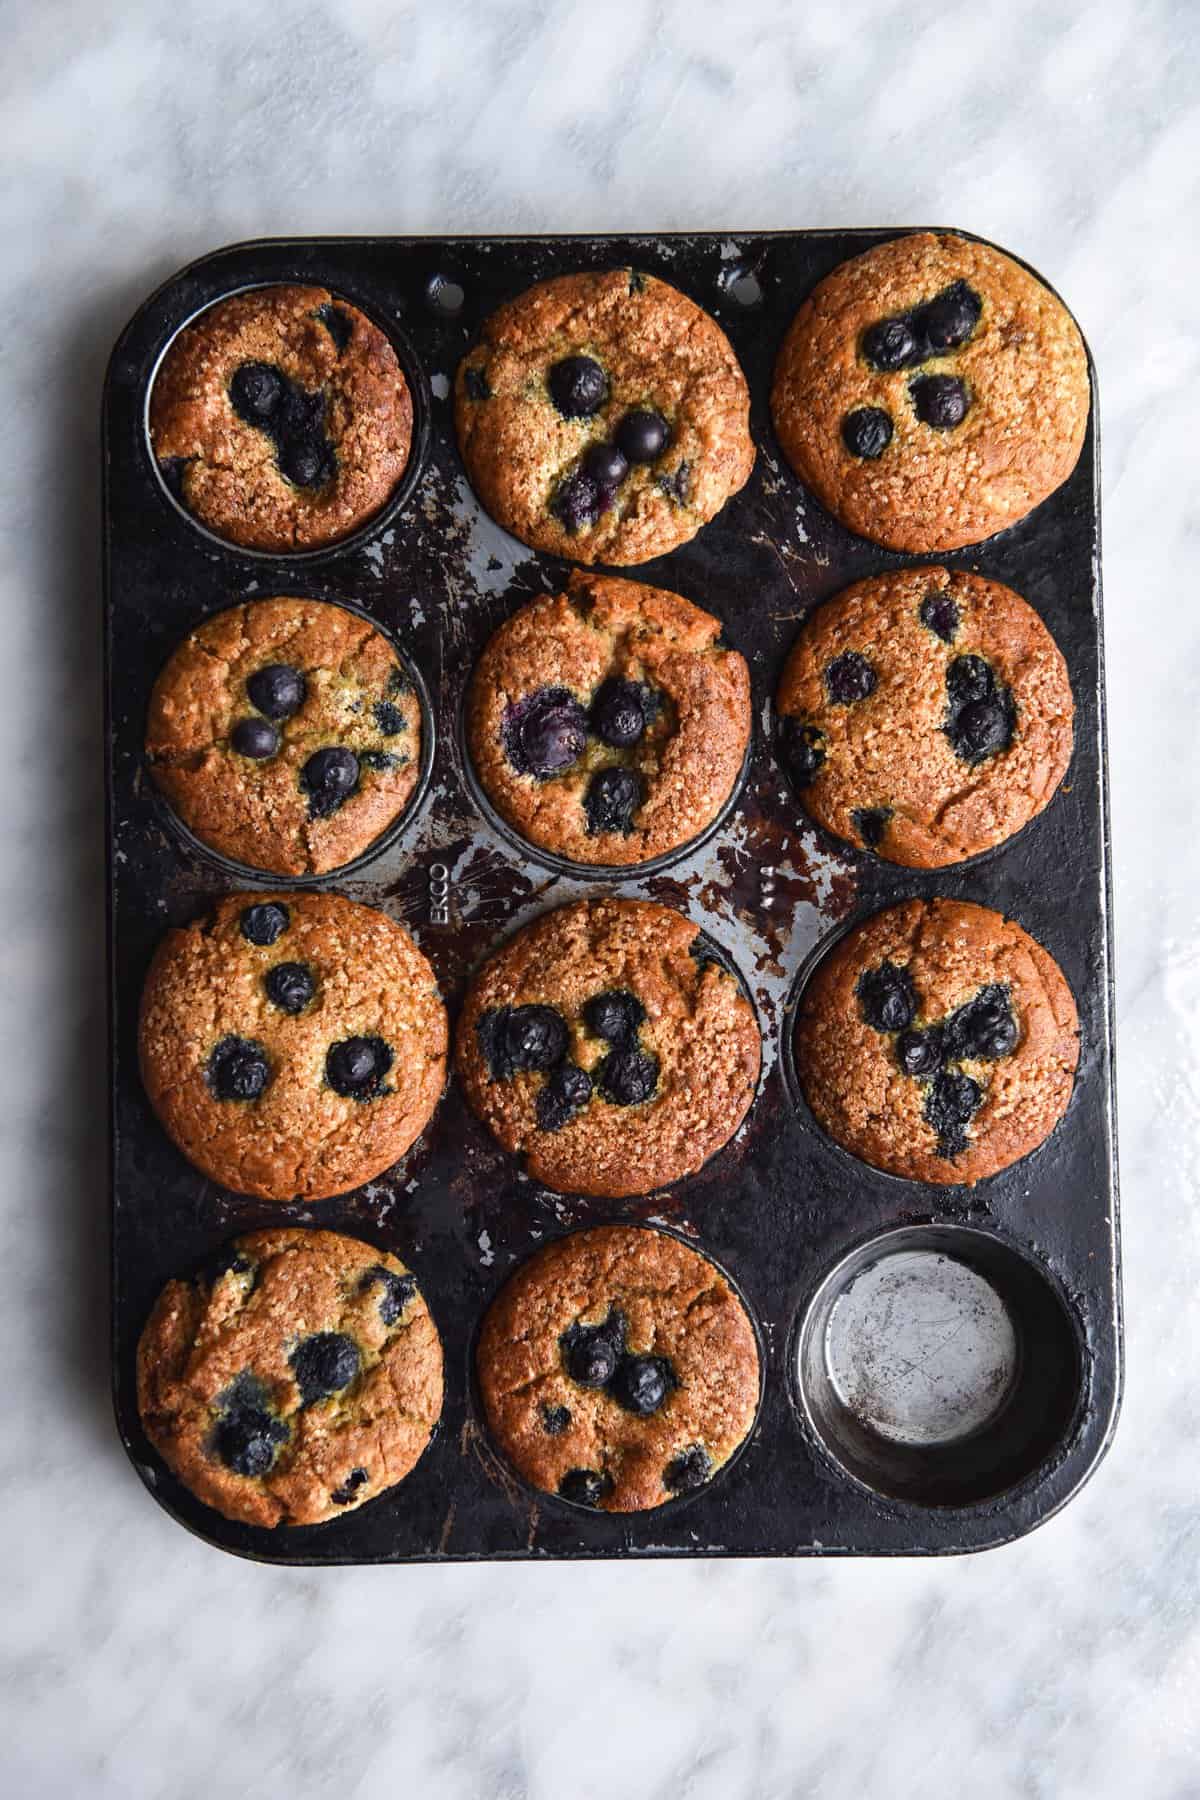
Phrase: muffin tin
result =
(941, 1368)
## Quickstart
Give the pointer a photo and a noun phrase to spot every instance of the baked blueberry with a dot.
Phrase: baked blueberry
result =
(867, 432)
(544, 733)
(278, 690)
(254, 738)
(238, 1069)
(892, 344)
(329, 777)
(677, 485)
(591, 1353)
(612, 798)
(355, 1067)
(578, 386)
(919, 1053)
(247, 1436)
(802, 748)
(982, 710)
(950, 317)
(567, 1091)
(555, 1420)
(985, 1027)
(628, 1077)
(981, 729)
(584, 1486)
(870, 822)
(522, 1039)
(380, 759)
(395, 1291)
(265, 923)
(969, 678)
(687, 1471)
(290, 986)
(343, 1495)
(849, 677)
(579, 501)
(642, 435)
(940, 400)
(617, 715)
(886, 997)
(255, 390)
(939, 614)
(306, 463)
(951, 1102)
(642, 1383)
(389, 718)
(171, 469)
(614, 1016)
(324, 1364)
(605, 465)
(337, 323)
(477, 385)
(228, 1261)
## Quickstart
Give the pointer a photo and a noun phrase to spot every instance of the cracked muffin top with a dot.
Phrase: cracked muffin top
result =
(926, 715)
(931, 392)
(281, 418)
(286, 734)
(608, 724)
(294, 1378)
(603, 417)
(292, 1046)
(618, 1369)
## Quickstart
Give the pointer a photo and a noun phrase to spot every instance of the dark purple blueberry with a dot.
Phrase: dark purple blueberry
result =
(254, 738)
(247, 1435)
(687, 1471)
(951, 1102)
(614, 1016)
(381, 760)
(591, 1353)
(228, 1261)
(969, 678)
(324, 1364)
(940, 400)
(892, 344)
(544, 733)
(617, 716)
(919, 1053)
(578, 386)
(642, 435)
(256, 389)
(612, 798)
(171, 469)
(278, 690)
(642, 1383)
(871, 824)
(985, 1027)
(981, 729)
(329, 777)
(677, 485)
(555, 1420)
(307, 462)
(605, 465)
(395, 1291)
(849, 677)
(566, 1092)
(982, 714)
(585, 1487)
(628, 1077)
(238, 1069)
(802, 748)
(867, 432)
(264, 923)
(950, 317)
(389, 718)
(522, 1040)
(578, 502)
(355, 1067)
(887, 997)
(290, 986)
(477, 385)
(939, 614)
(706, 950)
(337, 323)
(342, 1496)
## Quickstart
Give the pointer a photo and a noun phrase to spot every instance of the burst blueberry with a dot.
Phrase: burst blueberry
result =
(555, 1420)
(395, 1291)
(950, 317)
(940, 401)
(919, 1053)
(329, 777)
(892, 344)
(248, 1436)
(256, 389)
(343, 1495)
(591, 1353)
(612, 798)
(687, 1471)
(641, 1384)
(544, 733)
(951, 1102)
(849, 677)
(628, 1077)
(238, 1069)
(337, 323)
(886, 997)
(615, 1016)
(324, 1364)
(290, 986)
(566, 1092)
(939, 614)
(578, 386)
(521, 1040)
(586, 1487)
(264, 923)
(802, 748)
(867, 432)
(355, 1067)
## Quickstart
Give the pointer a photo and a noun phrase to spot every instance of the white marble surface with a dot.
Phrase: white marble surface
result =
(137, 1661)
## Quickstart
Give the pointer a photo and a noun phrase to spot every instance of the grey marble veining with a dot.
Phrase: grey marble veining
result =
(137, 1662)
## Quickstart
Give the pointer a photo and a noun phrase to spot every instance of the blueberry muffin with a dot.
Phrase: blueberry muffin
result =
(618, 1369)
(297, 1376)
(281, 418)
(611, 1046)
(292, 1048)
(609, 724)
(286, 734)
(938, 1041)
(925, 714)
(931, 392)
(603, 417)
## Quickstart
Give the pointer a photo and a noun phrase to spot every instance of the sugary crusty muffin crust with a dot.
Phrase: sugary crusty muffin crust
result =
(298, 1377)
(604, 1044)
(938, 1041)
(931, 392)
(650, 351)
(927, 714)
(338, 751)
(281, 417)
(618, 1369)
(561, 675)
(293, 1046)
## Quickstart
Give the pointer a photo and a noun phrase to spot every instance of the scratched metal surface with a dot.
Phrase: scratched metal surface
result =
(780, 1204)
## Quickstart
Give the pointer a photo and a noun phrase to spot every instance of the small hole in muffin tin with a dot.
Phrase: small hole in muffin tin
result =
(244, 872)
(445, 295)
(938, 1365)
(741, 283)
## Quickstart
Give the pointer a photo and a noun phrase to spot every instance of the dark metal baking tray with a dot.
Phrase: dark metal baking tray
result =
(781, 1205)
